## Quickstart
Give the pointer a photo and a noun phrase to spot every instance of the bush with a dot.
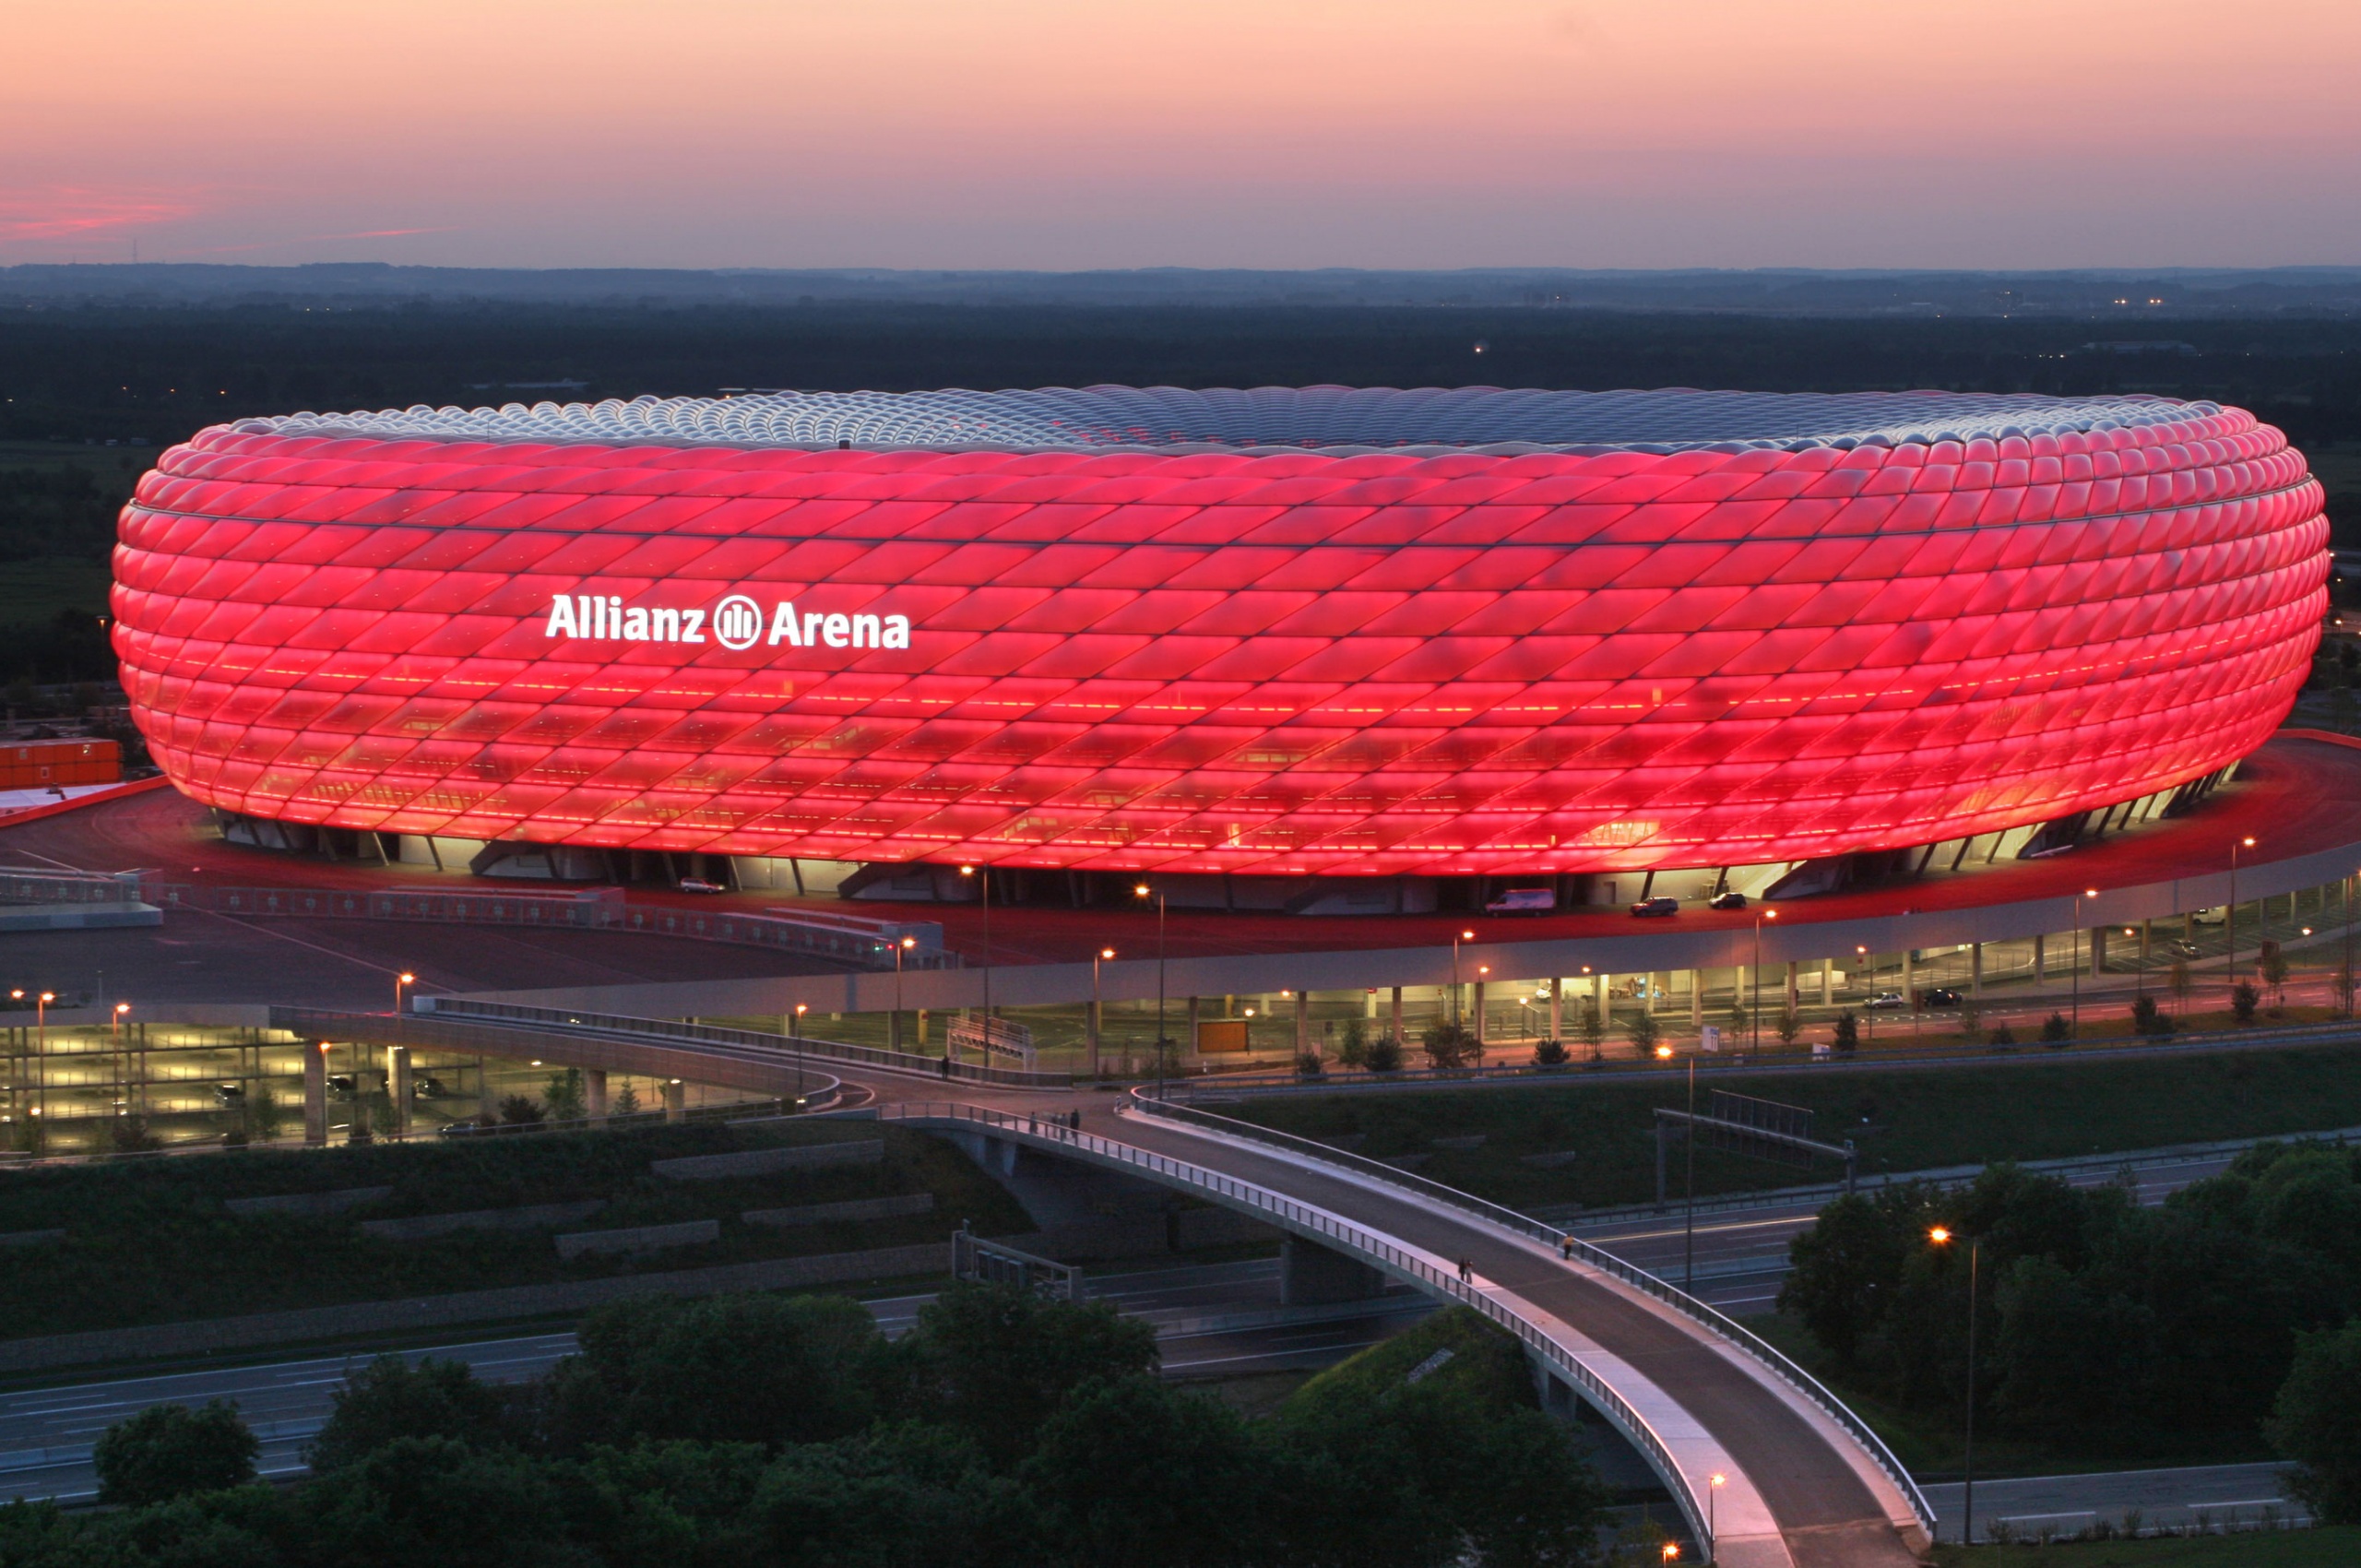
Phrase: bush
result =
(390, 1400)
(1549, 1053)
(1309, 1065)
(520, 1110)
(1449, 1045)
(1386, 1054)
(2243, 1001)
(2002, 1037)
(564, 1095)
(1353, 1052)
(168, 1451)
(1789, 1027)
(2056, 1030)
(996, 1362)
(2315, 1424)
(2149, 1020)
(1641, 1029)
(1848, 1033)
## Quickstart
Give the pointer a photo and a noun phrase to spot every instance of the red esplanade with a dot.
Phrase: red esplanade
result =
(1277, 632)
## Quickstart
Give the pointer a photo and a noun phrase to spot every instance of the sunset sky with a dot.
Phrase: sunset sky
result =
(1249, 132)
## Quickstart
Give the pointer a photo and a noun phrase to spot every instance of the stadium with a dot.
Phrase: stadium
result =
(1278, 634)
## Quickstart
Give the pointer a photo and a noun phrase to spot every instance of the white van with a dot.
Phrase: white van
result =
(1522, 902)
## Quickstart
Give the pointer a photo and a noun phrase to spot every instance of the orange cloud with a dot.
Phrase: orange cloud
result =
(65, 212)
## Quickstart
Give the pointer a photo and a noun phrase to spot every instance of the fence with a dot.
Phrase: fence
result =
(1320, 1225)
(902, 1062)
(1599, 1258)
(19, 885)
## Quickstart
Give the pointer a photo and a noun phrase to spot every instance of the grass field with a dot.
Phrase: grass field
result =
(2037, 1106)
(2336, 1547)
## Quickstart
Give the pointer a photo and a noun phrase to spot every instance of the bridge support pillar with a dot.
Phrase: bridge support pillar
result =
(1696, 999)
(1310, 1273)
(1476, 1009)
(1302, 1024)
(2040, 956)
(1795, 995)
(315, 1092)
(398, 1087)
(1828, 983)
(1975, 968)
(2099, 951)
(1557, 1009)
(1396, 1015)
(676, 1100)
(594, 1093)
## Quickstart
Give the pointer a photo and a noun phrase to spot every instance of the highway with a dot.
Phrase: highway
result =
(2223, 1496)
(1212, 1320)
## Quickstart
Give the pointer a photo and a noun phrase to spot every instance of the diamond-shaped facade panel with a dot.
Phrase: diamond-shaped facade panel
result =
(1280, 631)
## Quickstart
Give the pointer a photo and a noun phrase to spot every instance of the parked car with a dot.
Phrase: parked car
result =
(2208, 917)
(1940, 996)
(2182, 949)
(699, 885)
(1726, 901)
(457, 1129)
(1887, 1001)
(428, 1088)
(1650, 907)
(230, 1094)
(342, 1083)
(1522, 902)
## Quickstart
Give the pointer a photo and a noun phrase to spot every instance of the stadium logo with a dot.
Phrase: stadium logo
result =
(737, 624)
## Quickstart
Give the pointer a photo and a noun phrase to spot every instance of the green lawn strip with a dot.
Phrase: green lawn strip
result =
(1928, 1442)
(1484, 1362)
(2034, 1107)
(2332, 1547)
(148, 1242)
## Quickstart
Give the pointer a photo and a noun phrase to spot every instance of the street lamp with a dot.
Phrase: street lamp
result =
(405, 977)
(41, 1053)
(122, 1090)
(985, 879)
(1942, 1237)
(1713, 1485)
(1689, 1201)
(1754, 1043)
(2076, 983)
(1098, 1022)
(1463, 936)
(899, 948)
(2230, 914)
(1143, 891)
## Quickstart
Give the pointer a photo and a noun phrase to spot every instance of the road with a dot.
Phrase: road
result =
(1213, 1319)
(2029, 1506)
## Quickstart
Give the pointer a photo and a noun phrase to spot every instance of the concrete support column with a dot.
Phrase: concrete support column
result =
(1478, 991)
(922, 1028)
(397, 1086)
(1828, 983)
(1309, 1274)
(1557, 1009)
(1369, 1004)
(1188, 1042)
(1975, 968)
(2040, 960)
(594, 1093)
(1397, 1026)
(315, 1092)
(2099, 951)
(893, 1031)
(1696, 999)
(676, 1100)
(1303, 1021)
(1909, 975)
(1794, 996)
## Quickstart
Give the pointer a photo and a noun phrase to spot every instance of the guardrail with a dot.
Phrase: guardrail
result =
(1306, 1220)
(866, 949)
(900, 1062)
(20, 886)
(1573, 1246)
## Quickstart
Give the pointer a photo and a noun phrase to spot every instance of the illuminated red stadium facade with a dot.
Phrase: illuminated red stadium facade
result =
(1280, 632)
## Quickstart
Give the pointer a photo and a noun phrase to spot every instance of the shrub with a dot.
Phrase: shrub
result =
(1309, 1065)
(1549, 1053)
(1353, 1052)
(564, 1096)
(1449, 1044)
(1848, 1033)
(2002, 1037)
(1641, 1029)
(1788, 1027)
(1385, 1054)
(168, 1451)
(2243, 998)
(520, 1110)
(2056, 1030)
(2148, 1019)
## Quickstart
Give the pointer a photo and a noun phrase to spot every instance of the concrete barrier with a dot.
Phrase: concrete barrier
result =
(532, 1216)
(763, 1161)
(308, 1204)
(639, 1238)
(851, 1208)
(312, 1323)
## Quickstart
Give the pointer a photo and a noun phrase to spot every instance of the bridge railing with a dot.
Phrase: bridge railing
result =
(1308, 1221)
(1680, 1301)
(565, 1019)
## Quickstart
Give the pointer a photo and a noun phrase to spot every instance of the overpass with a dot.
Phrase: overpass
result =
(1806, 1483)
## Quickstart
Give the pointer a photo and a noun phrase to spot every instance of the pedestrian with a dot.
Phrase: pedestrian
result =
(1073, 1119)
(1566, 1246)
(1463, 1270)
(946, 1066)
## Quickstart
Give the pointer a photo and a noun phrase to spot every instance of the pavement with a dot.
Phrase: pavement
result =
(1212, 1320)
(2220, 1496)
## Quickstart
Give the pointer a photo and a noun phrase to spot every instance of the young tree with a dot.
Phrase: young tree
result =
(2315, 1424)
(2056, 1030)
(2002, 1036)
(2180, 983)
(625, 1101)
(2344, 988)
(168, 1451)
(2273, 969)
(1789, 1027)
(2243, 1000)
(520, 1110)
(1848, 1033)
(1549, 1053)
(1353, 1051)
(2149, 1020)
(1448, 1045)
(564, 1096)
(1593, 1025)
(1641, 1029)
(1386, 1054)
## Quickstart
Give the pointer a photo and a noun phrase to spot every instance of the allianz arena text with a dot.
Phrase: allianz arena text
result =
(1283, 632)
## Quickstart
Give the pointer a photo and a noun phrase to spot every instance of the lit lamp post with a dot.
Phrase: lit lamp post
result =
(121, 1078)
(400, 981)
(1868, 1013)
(2230, 914)
(1941, 1237)
(16, 994)
(985, 881)
(895, 1033)
(1755, 1042)
(1713, 1485)
(1098, 1022)
(1143, 891)
(41, 1053)
(2075, 1007)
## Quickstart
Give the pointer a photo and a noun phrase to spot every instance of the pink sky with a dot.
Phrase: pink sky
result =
(1248, 132)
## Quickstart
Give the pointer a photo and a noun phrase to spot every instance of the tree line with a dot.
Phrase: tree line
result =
(1004, 1428)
